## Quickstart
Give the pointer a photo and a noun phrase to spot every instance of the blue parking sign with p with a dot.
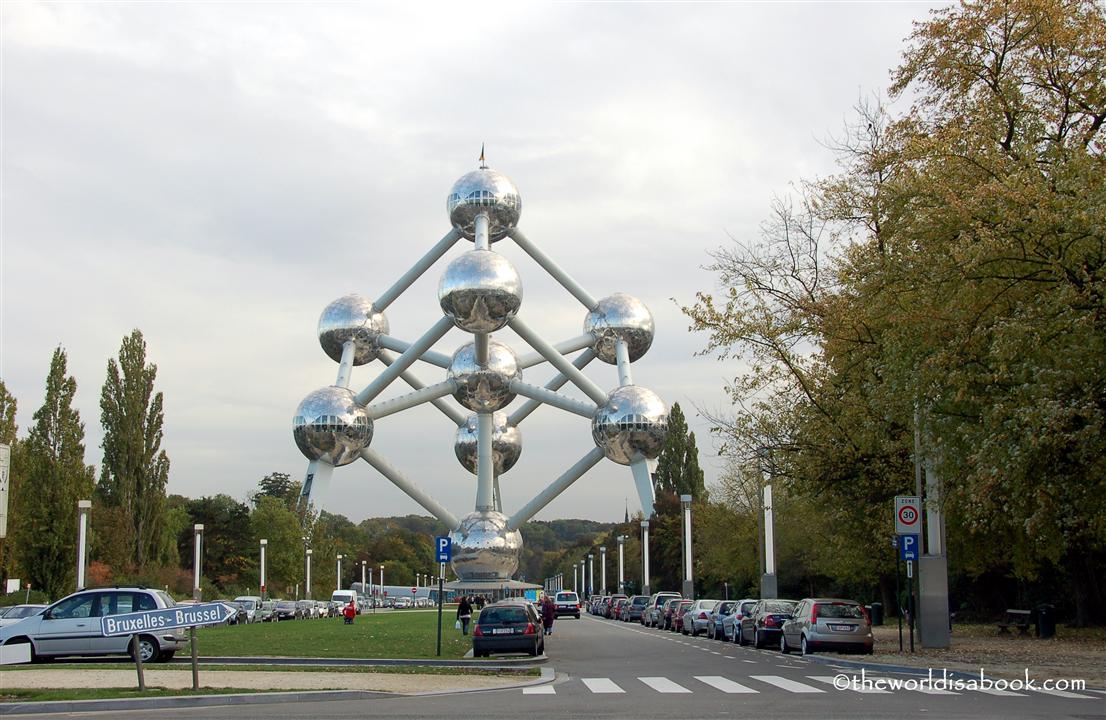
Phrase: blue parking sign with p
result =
(908, 547)
(445, 549)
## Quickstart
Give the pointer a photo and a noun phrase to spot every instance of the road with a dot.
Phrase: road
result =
(619, 670)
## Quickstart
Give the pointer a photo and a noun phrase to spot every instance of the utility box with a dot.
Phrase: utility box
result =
(933, 605)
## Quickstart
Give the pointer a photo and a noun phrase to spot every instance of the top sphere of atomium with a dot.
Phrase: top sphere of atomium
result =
(484, 191)
(352, 317)
(633, 420)
(481, 291)
(330, 426)
(620, 317)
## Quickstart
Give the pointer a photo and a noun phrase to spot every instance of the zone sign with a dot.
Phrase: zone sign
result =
(908, 514)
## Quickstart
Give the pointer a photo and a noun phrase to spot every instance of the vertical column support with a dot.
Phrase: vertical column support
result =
(264, 542)
(83, 509)
(645, 557)
(622, 356)
(603, 570)
(307, 575)
(197, 557)
(485, 488)
(345, 366)
(621, 564)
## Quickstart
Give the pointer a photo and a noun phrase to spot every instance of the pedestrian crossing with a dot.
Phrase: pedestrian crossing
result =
(755, 684)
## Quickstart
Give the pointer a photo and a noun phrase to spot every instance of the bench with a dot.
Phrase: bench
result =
(1015, 618)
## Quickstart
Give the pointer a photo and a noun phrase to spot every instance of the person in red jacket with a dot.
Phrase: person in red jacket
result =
(349, 612)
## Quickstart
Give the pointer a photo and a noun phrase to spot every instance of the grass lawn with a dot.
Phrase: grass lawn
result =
(393, 634)
(110, 693)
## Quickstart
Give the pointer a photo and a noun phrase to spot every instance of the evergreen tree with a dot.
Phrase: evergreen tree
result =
(678, 470)
(135, 468)
(8, 430)
(55, 468)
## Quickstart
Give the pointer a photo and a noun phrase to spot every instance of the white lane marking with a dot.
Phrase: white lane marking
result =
(1065, 694)
(829, 680)
(751, 662)
(785, 684)
(729, 657)
(539, 690)
(1000, 693)
(724, 684)
(602, 685)
(663, 685)
(715, 653)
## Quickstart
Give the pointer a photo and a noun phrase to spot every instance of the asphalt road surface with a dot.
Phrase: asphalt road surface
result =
(606, 669)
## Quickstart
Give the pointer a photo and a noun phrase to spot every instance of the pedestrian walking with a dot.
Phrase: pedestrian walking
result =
(548, 614)
(464, 614)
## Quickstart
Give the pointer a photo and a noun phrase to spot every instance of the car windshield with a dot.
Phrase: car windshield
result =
(724, 608)
(503, 616)
(707, 604)
(640, 601)
(286, 605)
(779, 607)
(22, 612)
(567, 597)
(838, 610)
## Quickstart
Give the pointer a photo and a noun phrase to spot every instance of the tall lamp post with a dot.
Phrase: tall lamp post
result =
(363, 564)
(689, 578)
(591, 574)
(264, 542)
(603, 569)
(575, 582)
(768, 585)
(645, 557)
(383, 592)
(197, 549)
(621, 565)
(339, 571)
(307, 575)
(83, 508)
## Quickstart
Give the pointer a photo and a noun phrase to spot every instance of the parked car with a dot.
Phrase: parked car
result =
(608, 609)
(714, 621)
(568, 603)
(678, 610)
(668, 613)
(403, 602)
(827, 624)
(509, 626)
(322, 608)
(635, 606)
(240, 617)
(763, 624)
(267, 611)
(71, 626)
(696, 617)
(653, 615)
(286, 610)
(307, 609)
(619, 608)
(252, 604)
(14, 613)
(731, 623)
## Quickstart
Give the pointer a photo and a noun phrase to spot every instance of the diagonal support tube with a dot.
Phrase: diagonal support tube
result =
(345, 366)
(409, 488)
(643, 480)
(553, 269)
(558, 361)
(430, 356)
(405, 360)
(541, 395)
(410, 400)
(555, 384)
(388, 296)
(564, 347)
(555, 488)
(448, 410)
(315, 483)
(622, 356)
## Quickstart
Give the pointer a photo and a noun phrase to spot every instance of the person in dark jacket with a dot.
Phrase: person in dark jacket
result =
(548, 614)
(464, 614)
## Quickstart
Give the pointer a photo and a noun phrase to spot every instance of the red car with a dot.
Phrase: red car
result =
(619, 606)
(676, 622)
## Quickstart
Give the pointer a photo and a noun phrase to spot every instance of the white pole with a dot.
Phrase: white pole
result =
(553, 269)
(363, 562)
(603, 569)
(485, 499)
(197, 547)
(645, 557)
(480, 234)
(382, 581)
(405, 360)
(555, 488)
(591, 574)
(83, 508)
(345, 366)
(575, 581)
(769, 536)
(307, 578)
(339, 571)
(558, 361)
(264, 542)
(621, 564)
(622, 357)
(409, 488)
(689, 582)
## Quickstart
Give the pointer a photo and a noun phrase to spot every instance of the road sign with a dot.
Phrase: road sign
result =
(908, 514)
(908, 547)
(445, 549)
(414, 591)
(164, 619)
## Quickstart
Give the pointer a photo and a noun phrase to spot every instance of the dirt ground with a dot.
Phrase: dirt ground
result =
(1074, 654)
(177, 679)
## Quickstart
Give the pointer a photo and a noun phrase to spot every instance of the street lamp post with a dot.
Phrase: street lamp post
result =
(621, 565)
(197, 549)
(264, 542)
(591, 574)
(689, 578)
(83, 508)
(382, 590)
(363, 563)
(575, 582)
(307, 575)
(645, 557)
(603, 569)
(339, 581)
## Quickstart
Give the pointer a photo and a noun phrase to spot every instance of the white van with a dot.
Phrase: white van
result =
(252, 604)
(343, 598)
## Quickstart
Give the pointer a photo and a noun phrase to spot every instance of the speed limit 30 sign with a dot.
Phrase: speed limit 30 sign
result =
(908, 514)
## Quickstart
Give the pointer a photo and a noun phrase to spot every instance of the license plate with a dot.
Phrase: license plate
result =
(502, 631)
(843, 628)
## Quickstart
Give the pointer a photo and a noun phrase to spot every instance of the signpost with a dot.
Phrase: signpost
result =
(444, 554)
(188, 616)
(908, 523)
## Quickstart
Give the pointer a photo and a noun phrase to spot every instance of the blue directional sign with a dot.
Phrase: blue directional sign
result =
(166, 618)
(908, 547)
(445, 549)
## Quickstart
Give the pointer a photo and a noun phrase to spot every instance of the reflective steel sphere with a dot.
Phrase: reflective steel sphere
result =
(483, 548)
(487, 388)
(351, 318)
(620, 316)
(633, 420)
(506, 444)
(481, 291)
(484, 191)
(330, 426)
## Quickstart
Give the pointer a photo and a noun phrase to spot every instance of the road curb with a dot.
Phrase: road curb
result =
(382, 662)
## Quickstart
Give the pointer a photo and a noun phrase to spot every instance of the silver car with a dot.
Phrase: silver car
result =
(827, 624)
(731, 622)
(654, 611)
(697, 617)
(14, 613)
(71, 626)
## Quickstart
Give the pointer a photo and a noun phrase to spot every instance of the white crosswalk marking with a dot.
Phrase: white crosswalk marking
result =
(785, 684)
(539, 690)
(1066, 694)
(724, 684)
(602, 685)
(663, 685)
(857, 687)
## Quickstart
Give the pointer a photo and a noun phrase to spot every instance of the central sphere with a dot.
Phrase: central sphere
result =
(484, 388)
(330, 426)
(483, 548)
(481, 291)
(484, 191)
(352, 317)
(620, 317)
(506, 444)
(633, 420)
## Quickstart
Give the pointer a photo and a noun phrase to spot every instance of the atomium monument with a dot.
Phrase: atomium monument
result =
(479, 293)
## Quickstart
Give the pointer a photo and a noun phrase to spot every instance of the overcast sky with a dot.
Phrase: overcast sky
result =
(216, 174)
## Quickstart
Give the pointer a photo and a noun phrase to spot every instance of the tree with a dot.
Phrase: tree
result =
(678, 468)
(8, 429)
(277, 485)
(47, 540)
(275, 521)
(135, 468)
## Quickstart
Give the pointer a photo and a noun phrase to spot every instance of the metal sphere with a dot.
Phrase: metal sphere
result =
(484, 388)
(483, 548)
(352, 318)
(633, 420)
(620, 317)
(330, 426)
(484, 191)
(481, 291)
(506, 444)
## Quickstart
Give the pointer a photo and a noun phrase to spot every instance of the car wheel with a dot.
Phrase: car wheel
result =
(166, 655)
(741, 637)
(783, 644)
(147, 648)
(757, 644)
(804, 648)
(577, 616)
